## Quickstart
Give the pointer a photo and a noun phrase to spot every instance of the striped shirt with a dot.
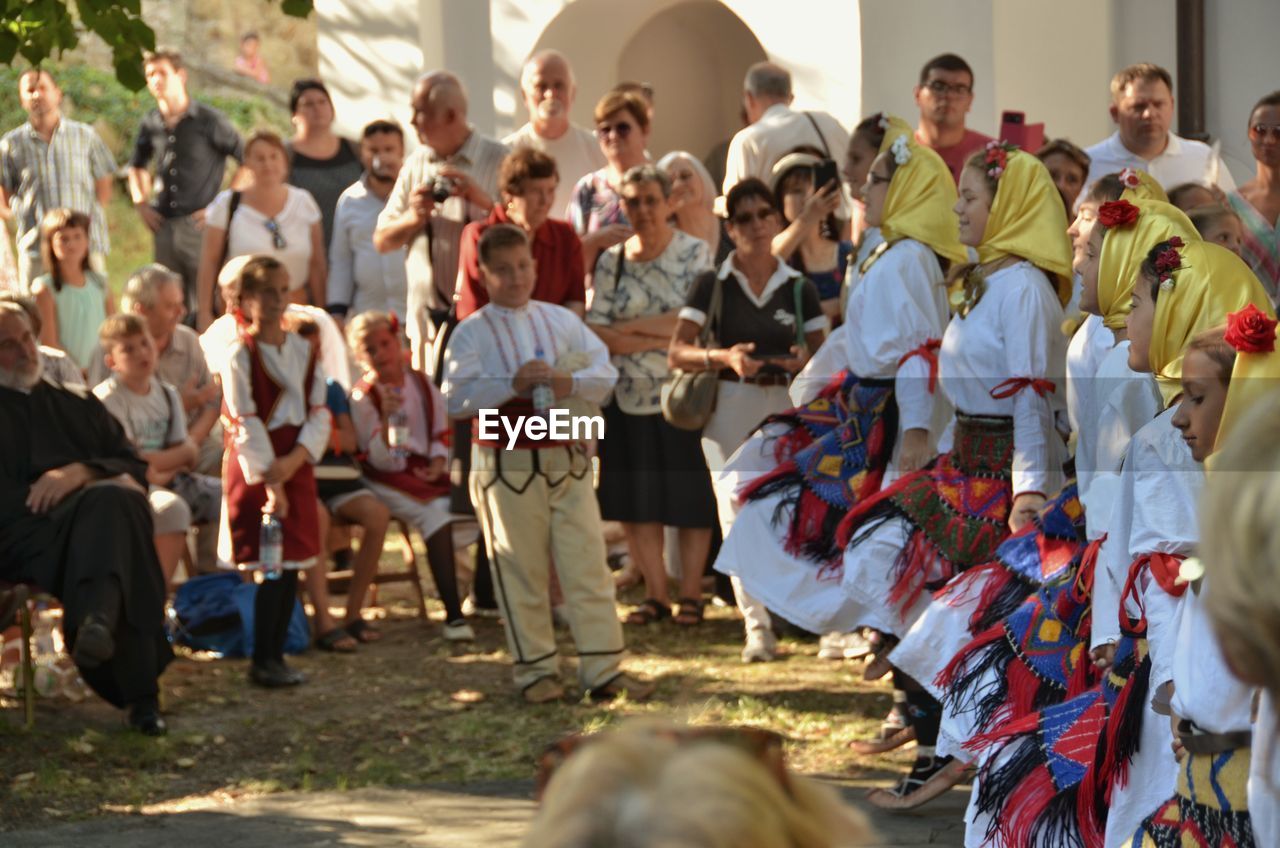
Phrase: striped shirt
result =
(39, 176)
(1260, 246)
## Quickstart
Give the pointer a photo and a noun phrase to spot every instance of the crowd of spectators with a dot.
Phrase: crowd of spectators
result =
(647, 265)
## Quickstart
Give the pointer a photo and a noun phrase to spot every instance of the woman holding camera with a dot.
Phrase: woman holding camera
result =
(809, 243)
(769, 322)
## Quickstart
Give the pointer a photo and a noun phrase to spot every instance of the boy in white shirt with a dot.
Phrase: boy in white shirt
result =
(534, 494)
(153, 418)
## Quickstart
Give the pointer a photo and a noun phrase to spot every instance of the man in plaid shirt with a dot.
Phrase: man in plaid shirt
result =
(52, 162)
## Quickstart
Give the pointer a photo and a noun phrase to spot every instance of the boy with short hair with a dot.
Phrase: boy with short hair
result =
(151, 413)
(534, 497)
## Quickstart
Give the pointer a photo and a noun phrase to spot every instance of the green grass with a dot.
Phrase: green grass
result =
(414, 710)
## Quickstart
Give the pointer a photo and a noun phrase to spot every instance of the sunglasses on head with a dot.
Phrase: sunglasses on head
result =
(1259, 132)
(744, 218)
(621, 130)
(277, 237)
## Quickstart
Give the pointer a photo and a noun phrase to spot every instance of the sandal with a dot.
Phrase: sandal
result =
(928, 778)
(689, 612)
(337, 641)
(362, 631)
(648, 612)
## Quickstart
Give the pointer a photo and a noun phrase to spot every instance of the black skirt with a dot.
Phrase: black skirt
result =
(653, 472)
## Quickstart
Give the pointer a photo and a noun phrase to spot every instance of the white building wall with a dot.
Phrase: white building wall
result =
(1051, 60)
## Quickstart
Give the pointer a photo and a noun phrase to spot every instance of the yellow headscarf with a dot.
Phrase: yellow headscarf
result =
(1125, 246)
(1256, 375)
(1139, 185)
(1027, 220)
(1209, 283)
(922, 195)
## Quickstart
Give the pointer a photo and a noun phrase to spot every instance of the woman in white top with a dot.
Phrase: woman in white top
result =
(997, 365)
(270, 218)
(878, 414)
(693, 196)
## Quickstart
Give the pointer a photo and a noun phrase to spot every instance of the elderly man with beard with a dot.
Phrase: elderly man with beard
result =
(76, 523)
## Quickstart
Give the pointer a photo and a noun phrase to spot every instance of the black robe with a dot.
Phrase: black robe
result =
(95, 550)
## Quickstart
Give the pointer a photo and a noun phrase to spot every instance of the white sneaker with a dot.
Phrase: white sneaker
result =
(843, 646)
(470, 610)
(459, 631)
(760, 647)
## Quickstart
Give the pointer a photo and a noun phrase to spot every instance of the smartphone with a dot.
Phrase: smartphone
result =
(825, 172)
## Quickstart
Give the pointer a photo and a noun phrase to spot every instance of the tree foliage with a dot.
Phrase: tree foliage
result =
(37, 30)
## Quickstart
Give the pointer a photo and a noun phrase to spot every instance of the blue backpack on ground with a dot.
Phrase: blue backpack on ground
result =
(214, 612)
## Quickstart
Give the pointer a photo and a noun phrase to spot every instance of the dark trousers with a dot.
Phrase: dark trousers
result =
(178, 243)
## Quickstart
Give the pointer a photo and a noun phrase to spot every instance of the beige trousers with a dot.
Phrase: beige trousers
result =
(536, 506)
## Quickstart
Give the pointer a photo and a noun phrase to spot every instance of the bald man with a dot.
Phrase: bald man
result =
(775, 128)
(549, 90)
(453, 158)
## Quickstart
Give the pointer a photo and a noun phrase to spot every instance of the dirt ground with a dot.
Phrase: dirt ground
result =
(411, 710)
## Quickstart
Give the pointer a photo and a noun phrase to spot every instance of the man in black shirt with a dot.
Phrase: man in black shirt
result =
(192, 142)
(77, 524)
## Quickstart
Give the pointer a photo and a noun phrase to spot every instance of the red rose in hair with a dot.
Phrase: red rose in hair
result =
(1251, 331)
(1117, 213)
(1175, 242)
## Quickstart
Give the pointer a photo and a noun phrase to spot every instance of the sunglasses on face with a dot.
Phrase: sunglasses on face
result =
(277, 237)
(1261, 132)
(621, 130)
(639, 201)
(742, 219)
(942, 89)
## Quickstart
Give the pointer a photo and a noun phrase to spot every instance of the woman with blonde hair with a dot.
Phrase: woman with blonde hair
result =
(693, 196)
(631, 788)
(1241, 551)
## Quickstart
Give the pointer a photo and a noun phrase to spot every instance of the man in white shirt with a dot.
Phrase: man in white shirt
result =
(775, 128)
(549, 91)
(361, 278)
(457, 164)
(1142, 108)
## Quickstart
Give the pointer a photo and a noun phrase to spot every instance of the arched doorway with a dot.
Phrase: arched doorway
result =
(693, 52)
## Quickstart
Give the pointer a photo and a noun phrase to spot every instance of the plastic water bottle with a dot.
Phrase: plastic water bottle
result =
(542, 396)
(48, 677)
(398, 430)
(271, 546)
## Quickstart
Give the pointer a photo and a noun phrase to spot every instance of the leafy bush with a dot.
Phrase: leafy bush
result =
(95, 97)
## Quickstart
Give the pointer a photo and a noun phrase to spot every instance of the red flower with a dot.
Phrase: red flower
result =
(1117, 213)
(1175, 242)
(1168, 261)
(1251, 331)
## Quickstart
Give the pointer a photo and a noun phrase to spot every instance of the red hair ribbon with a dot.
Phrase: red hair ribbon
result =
(394, 323)
(1012, 386)
(929, 352)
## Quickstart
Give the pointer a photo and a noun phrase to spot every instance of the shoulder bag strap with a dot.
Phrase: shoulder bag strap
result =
(711, 330)
(798, 289)
(226, 236)
(821, 137)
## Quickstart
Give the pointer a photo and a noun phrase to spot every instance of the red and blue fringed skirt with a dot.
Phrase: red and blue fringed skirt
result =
(946, 518)
(831, 453)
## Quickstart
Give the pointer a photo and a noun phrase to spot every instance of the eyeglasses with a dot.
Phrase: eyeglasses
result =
(641, 200)
(277, 237)
(1261, 132)
(940, 88)
(621, 130)
(744, 218)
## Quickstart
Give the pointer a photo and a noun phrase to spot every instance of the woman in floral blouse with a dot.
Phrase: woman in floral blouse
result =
(651, 474)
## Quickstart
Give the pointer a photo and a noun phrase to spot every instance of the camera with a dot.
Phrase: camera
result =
(442, 189)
